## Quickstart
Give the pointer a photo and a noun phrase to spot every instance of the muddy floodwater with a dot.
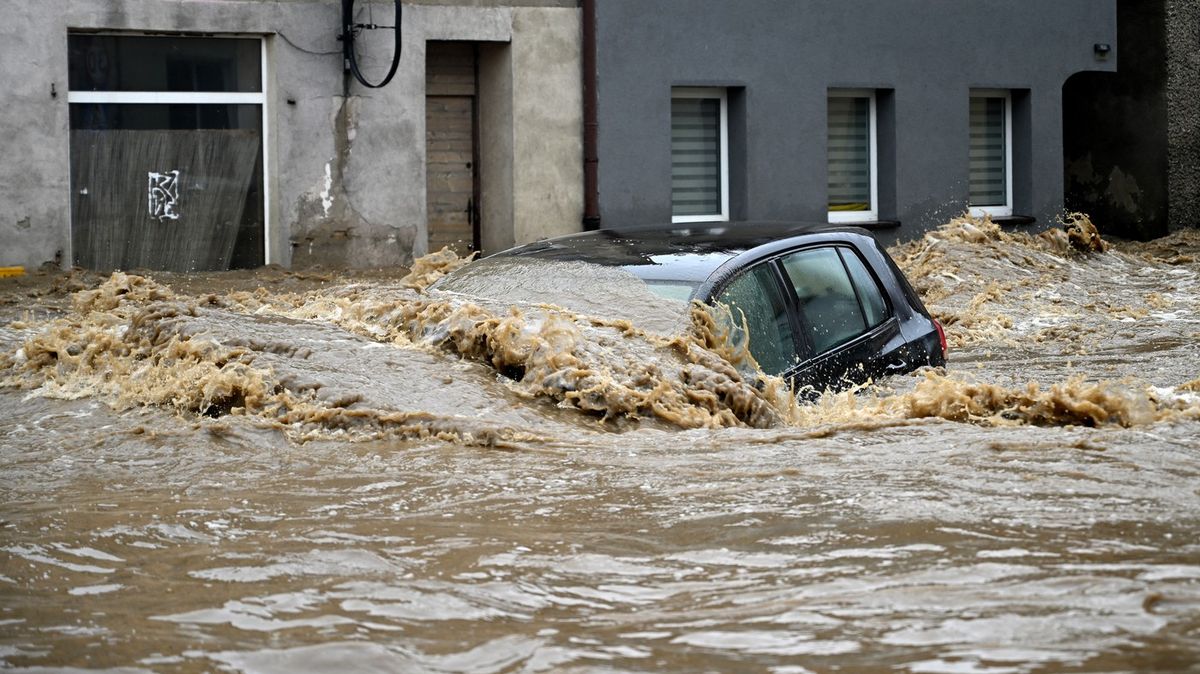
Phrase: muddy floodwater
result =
(277, 472)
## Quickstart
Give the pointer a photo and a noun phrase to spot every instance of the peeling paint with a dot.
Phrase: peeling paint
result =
(327, 193)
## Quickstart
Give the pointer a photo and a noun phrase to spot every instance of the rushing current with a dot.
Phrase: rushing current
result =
(296, 472)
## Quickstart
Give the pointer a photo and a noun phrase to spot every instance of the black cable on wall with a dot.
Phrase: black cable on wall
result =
(350, 31)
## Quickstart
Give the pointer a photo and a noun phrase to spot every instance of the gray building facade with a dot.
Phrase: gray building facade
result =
(897, 113)
(778, 70)
(203, 134)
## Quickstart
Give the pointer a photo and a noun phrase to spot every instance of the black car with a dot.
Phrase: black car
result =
(825, 307)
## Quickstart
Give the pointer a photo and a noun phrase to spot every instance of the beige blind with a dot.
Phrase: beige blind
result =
(696, 156)
(849, 153)
(988, 165)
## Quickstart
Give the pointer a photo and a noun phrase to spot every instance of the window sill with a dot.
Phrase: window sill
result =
(1014, 220)
(691, 219)
(868, 224)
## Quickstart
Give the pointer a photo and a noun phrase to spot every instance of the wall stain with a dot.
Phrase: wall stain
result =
(1123, 191)
(335, 233)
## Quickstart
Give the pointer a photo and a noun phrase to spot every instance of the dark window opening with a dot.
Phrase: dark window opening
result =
(145, 63)
(174, 185)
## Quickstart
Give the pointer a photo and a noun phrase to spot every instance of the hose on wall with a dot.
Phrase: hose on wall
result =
(350, 31)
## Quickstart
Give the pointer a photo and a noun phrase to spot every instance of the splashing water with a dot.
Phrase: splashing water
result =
(283, 472)
(132, 341)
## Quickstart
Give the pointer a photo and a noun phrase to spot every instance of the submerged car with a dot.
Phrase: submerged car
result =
(824, 307)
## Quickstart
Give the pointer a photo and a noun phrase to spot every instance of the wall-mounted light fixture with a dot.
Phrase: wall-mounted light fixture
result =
(1101, 50)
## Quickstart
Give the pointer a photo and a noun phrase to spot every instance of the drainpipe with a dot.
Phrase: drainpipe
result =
(591, 160)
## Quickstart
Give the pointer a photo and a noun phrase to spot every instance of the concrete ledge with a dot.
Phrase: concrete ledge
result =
(1014, 220)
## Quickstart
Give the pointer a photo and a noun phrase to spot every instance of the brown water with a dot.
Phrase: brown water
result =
(353, 474)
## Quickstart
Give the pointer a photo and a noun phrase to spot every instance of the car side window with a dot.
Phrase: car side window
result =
(756, 295)
(826, 297)
(868, 288)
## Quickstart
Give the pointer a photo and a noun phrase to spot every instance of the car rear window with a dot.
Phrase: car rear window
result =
(672, 290)
(756, 295)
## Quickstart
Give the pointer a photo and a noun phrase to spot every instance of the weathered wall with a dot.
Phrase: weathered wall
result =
(347, 178)
(33, 175)
(1183, 111)
(548, 124)
(782, 56)
(496, 144)
(372, 212)
(531, 151)
(34, 187)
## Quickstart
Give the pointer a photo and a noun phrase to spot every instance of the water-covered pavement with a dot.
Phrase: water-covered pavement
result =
(347, 473)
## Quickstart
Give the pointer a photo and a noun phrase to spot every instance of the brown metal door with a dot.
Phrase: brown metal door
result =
(451, 142)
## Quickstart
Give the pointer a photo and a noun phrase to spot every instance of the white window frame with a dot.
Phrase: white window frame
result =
(871, 214)
(1006, 209)
(201, 97)
(721, 95)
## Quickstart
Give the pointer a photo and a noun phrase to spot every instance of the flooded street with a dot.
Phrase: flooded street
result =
(336, 473)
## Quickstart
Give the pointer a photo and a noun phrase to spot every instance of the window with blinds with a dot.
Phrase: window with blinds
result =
(851, 156)
(990, 154)
(699, 164)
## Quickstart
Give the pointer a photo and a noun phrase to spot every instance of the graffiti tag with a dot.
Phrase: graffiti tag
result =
(164, 195)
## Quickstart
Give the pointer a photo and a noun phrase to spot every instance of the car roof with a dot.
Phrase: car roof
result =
(677, 251)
